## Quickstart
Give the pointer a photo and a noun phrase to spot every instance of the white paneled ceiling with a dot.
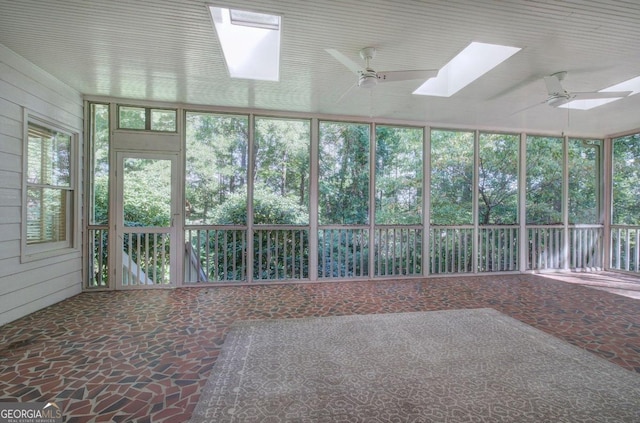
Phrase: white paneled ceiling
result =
(167, 50)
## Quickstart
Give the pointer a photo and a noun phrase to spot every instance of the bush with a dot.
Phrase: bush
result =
(268, 208)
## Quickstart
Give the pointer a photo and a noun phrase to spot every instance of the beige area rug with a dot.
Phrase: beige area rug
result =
(442, 366)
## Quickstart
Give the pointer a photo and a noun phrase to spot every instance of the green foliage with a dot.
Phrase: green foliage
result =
(147, 192)
(451, 177)
(343, 173)
(216, 162)
(544, 180)
(343, 253)
(626, 180)
(584, 180)
(282, 157)
(271, 258)
(101, 198)
(131, 117)
(398, 175)
(498, 179)
(268, 208)
(99, 209)
(163, 120)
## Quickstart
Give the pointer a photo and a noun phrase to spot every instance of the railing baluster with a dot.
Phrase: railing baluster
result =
(100, 253)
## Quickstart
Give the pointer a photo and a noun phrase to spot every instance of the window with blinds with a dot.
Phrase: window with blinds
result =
(49, 191)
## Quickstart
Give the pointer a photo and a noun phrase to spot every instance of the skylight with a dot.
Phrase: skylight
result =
(588, 104)
(632, 85)
(250, 42)
(470, 64)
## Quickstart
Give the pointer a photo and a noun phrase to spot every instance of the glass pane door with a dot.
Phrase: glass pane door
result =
(145, 220)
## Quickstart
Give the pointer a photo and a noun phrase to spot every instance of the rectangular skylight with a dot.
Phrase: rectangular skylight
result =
(632, 85)
(470, 64)
(588, 104)
(250, 42)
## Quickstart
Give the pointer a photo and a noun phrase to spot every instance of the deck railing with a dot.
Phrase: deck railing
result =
(451, 249)
(586, 247)
(215, 254)
(98, 263)
(221, 253)
(343, 252)
(146, 256)
(546, 247)
(498, 248)
(625, 248)
(281, 253)
(398, 250)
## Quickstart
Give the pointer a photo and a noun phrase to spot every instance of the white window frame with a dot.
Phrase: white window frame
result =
(31, 252)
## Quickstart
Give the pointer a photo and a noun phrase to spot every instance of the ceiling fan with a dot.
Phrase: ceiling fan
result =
(369, 78)
(558, 96)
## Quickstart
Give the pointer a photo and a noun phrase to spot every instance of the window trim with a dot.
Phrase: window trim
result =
(32, 252)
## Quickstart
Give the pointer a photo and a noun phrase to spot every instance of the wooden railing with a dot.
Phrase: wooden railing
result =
(215, 254)
(146, 256)
(546, 247)
(98, 263)
(498, 248)
(280, 253)
(343, 252)
(221, 254)
(451, 249)
(586, 247)
(625, 248)
(398, 250)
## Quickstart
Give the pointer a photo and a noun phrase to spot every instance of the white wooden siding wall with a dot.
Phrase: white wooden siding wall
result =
(30, 286)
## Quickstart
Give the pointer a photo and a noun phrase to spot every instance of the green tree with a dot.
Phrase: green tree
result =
(216, 162)
(344, 173)
(498, 179)
(626, 180)
(282, 158)
(544, 180)
(451, 177)
(584, 180)
(398, 175)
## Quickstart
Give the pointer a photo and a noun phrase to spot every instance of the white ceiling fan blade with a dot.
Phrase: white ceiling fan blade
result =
(392, 76)
(350, 64)
(553, 84)
(344, 94)
(597, 95)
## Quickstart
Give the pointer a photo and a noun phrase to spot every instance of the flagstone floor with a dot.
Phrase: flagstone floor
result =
(144, 356)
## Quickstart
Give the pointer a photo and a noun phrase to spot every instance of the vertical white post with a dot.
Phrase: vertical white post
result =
(426, 200)
(522, 212)
(114, 247)
(249, 252)
(564, 255)
(476, 183)
(606, 208)
(178, 184)
(372, 198)
(313, 201)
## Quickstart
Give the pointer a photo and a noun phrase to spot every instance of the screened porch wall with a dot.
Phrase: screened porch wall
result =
(27, 283)
(416, 201)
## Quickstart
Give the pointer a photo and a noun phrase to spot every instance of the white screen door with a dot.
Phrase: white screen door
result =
(146, 219)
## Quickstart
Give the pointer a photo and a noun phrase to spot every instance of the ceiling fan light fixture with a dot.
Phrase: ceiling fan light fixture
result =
(368, 79)
(558, 101)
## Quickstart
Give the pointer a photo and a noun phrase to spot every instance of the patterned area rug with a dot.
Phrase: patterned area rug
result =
(441, 366)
